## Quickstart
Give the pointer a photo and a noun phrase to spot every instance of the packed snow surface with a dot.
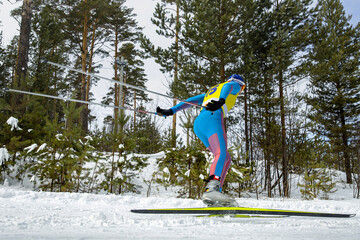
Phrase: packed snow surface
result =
(26, 214)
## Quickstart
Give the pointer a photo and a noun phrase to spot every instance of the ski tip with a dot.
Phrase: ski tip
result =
(43, 60)
(148, 211)
(137, 210)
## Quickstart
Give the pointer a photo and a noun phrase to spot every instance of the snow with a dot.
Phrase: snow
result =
(4, 155)
(166, 170)
(27, 214)
(89, 138)
(43, 215)
(42, 147)
(31, 148)
(13, 122)
(58, 136)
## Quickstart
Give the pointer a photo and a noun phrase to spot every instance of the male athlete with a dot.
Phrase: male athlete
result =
(209, 127)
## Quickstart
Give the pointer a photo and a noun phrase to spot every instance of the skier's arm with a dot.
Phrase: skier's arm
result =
(229, 88)
(183, 105)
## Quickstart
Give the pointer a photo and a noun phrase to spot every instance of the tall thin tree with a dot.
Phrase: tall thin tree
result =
(334, 78)
(23, 51)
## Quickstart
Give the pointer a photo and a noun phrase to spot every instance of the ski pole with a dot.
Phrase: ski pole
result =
(76, 100)
(118, 82)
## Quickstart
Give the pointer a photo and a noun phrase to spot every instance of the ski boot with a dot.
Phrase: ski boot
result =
(214, 198)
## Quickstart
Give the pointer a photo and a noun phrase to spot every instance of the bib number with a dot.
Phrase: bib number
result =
(212, 91)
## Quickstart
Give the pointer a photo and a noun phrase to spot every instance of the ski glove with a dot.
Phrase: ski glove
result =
(164, 112)
(215, 105)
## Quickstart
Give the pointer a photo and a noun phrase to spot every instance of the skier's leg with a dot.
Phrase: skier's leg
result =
(209, 128)
(222, 161)
(200, 128)
(218, 146)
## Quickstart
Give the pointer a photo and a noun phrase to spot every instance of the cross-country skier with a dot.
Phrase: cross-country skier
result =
(209, 127)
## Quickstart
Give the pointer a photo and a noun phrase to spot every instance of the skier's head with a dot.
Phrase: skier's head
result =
(238, 79)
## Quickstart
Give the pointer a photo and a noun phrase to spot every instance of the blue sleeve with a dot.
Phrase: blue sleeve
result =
(183, 105)
(229, 88)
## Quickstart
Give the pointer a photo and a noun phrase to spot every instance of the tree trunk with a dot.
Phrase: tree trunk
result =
(84, 51)
(134, 111)
(247, 145)
(222, 44)
(251, 122)
(345, 147)
(358, 173)
(90, 61)
(23, 51)
(267, 161)
(189, 178)
(173, 132)
(116, 110)
(267, 145)
(283, 138)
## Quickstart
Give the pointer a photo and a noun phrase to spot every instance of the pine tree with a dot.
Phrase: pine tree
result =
(120, 171)
(260, 95)
(85, 21)
(318, 178)
(272, 40)
(134, 75)
(171, 58)
(252, 58)
(290, 24)
(147, 133)
(60, 162)
(334, 77)
(212, 34)
(48, 42)
(5, 68)
(123, 28)
(184, 167)
(356, 162)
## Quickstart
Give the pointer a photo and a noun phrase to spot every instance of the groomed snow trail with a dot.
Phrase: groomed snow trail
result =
(27, 214)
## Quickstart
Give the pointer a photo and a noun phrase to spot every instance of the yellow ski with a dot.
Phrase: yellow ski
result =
(240, 211)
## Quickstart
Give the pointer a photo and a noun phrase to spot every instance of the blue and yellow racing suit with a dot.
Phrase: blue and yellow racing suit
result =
(209, 126)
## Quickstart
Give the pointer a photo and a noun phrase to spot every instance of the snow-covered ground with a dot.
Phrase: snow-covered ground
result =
(27, 214)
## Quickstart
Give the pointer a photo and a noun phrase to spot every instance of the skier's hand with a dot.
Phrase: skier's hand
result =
(215, 105)
(164, 112)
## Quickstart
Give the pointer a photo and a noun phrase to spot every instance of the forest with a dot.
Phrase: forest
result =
(299, 113)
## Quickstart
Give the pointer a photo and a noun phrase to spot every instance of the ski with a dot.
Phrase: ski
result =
(241, 216)
(241, 211)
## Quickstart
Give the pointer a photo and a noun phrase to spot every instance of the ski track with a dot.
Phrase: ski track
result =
(27, 214)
